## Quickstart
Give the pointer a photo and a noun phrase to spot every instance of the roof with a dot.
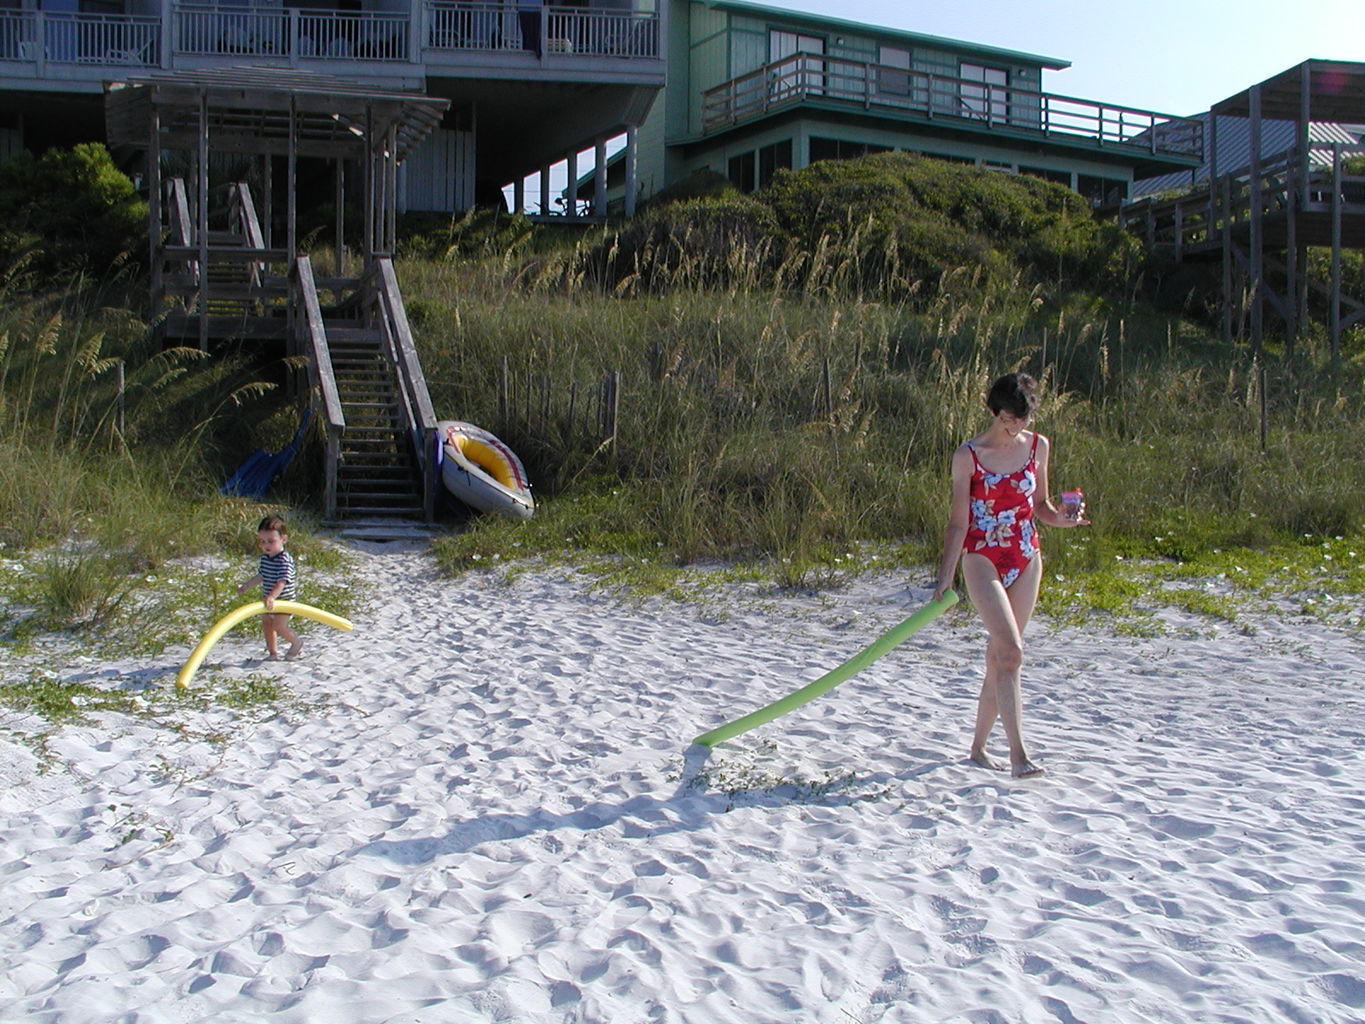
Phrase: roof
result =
(1335, 91)
(882, 31)
(249, 111)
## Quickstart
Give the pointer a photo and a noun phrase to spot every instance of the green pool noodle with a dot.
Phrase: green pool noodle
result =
(893, 637)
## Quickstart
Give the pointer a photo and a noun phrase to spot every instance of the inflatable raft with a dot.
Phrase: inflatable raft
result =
(482, 471)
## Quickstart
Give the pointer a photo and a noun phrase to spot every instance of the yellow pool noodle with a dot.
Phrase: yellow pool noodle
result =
(235, 616)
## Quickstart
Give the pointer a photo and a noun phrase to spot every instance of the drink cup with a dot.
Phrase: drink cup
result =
(1072, 502)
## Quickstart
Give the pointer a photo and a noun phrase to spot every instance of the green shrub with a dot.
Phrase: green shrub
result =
(70, 211)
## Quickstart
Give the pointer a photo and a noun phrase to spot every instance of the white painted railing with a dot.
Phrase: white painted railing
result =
(63, 37)
(296, 32)
(475, 25)
(202, 30)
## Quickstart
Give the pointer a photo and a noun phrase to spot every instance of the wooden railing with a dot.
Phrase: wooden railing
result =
(181, 228)
(310, 337)
(384, 309)
(1188, 222)
(39, 38)
(292, 32)
(802, 77)
(460, 25)
(68, 37)
(243, 220)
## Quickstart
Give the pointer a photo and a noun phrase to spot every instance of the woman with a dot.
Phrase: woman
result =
(991, 529)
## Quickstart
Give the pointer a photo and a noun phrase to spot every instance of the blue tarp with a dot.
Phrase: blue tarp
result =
(255, 475)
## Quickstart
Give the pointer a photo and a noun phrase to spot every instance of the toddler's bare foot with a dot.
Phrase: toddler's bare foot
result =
(1026, 770)
(295, 649)
(986, 761)
(272, 656)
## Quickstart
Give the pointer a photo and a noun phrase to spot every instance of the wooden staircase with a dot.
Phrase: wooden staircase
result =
(377, 474)
(365, 383)
(370, 396)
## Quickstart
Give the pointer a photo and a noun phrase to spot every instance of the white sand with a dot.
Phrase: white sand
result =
(493, 815)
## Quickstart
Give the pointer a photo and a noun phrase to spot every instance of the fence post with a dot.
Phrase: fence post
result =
(504, 413)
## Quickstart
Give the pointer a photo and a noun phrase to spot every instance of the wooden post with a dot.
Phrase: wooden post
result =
(571, 192)
(341, 217)
(504, 399)
(369, 185)
(292, 181)
(268, 206)
(1257, 255)
(154, 206)
(120, 397)
(1334, 313)
(632, 169)
(1224, 188)
(201, 219)
(599, 179)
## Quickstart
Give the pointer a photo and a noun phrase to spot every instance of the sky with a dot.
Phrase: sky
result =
(1169, 56)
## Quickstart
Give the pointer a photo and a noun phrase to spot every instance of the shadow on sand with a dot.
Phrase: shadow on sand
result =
(690, 806)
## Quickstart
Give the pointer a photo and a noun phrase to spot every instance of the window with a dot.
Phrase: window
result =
(740, 171)
(893, 71)
(841, 149)
(989, 100)
(771, 159)
(799, 68)
(1101, 191)
(1060, 177)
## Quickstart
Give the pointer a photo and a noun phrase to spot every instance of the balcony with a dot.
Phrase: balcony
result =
(436, 37)
(957, 103)
(37, 39)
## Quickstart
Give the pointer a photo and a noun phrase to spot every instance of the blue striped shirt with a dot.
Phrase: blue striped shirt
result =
(275, 568)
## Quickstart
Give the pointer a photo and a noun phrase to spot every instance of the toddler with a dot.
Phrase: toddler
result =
(276, 579)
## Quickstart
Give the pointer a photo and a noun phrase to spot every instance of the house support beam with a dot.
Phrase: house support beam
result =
(632, 168)
(201, 217)
(599, 179)
(571, 190)
(545, 191)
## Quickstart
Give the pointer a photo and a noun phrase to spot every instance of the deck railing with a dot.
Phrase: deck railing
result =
(384, 309)
(203, 30)
(295, 32)
(461, 25)
(64, 37)
(1195, 220)
(805, 77)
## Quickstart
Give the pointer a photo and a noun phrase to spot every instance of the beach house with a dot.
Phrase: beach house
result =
(755, 88)
(528, 84)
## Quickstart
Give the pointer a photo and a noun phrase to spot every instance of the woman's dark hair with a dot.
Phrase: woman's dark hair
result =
(275, 523)
(1013, 393)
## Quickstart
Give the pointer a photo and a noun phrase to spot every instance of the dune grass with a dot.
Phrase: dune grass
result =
(787, 402)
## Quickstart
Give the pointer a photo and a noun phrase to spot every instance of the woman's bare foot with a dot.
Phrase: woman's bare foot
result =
(295, 649)
(1026, 770)
(986, 761)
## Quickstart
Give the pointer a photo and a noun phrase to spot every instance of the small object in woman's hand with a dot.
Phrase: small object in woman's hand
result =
(1072, 503)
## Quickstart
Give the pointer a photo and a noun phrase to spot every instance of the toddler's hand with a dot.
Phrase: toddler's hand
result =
(269, 603)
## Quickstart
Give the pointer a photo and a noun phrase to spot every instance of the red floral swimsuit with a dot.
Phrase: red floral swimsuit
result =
(1000, 525)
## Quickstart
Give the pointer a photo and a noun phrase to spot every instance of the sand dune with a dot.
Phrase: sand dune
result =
(493, 813)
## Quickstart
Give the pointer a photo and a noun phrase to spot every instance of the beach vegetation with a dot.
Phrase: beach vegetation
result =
(797, 366)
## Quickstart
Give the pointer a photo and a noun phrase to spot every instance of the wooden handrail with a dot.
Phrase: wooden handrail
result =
(382, 285)
(1184, 221)
(309, 331)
